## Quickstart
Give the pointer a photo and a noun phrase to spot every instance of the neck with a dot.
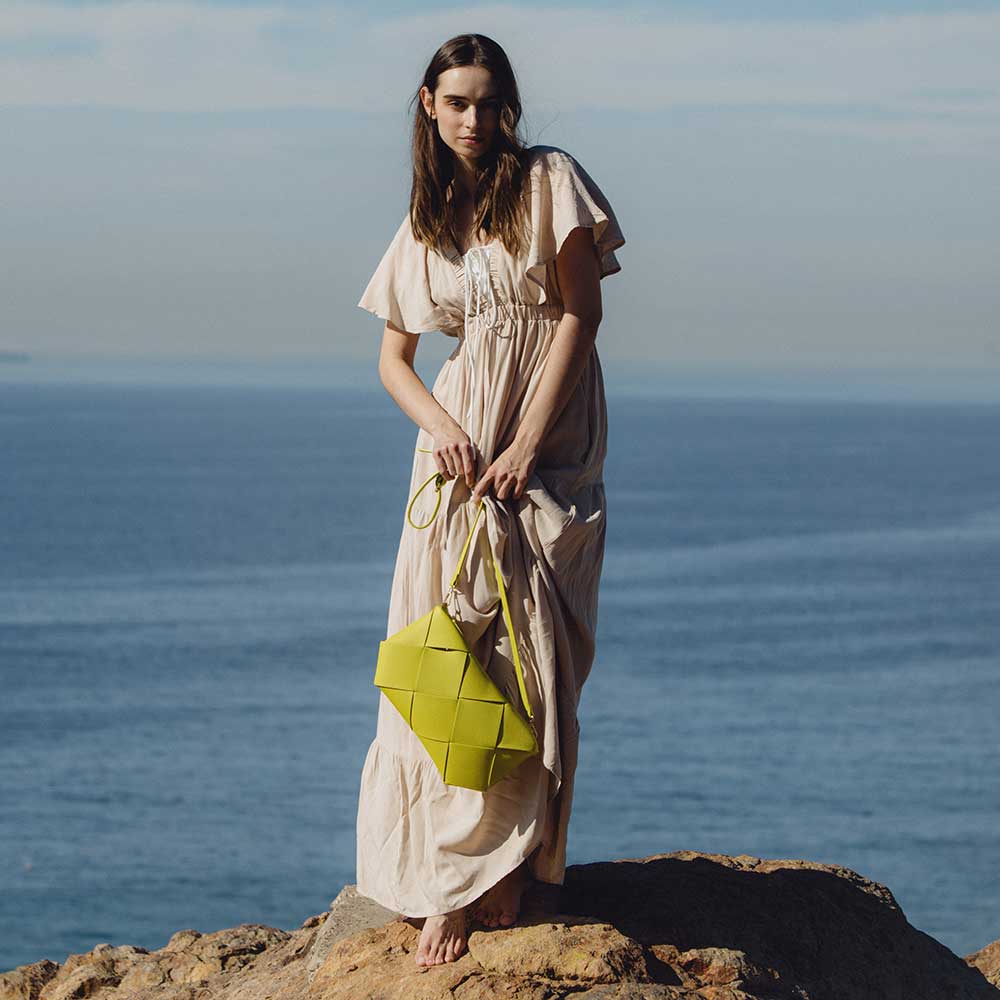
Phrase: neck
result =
(465, 176)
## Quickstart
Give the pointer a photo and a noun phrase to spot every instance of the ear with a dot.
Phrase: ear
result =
(427, 101)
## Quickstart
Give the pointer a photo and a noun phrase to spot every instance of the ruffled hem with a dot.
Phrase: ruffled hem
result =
(408, 323)
(564, 197)
(412, 785)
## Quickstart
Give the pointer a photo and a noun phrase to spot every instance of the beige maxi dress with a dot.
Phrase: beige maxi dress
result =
(424, 847)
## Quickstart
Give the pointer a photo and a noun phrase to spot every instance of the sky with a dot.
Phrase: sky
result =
(805, 182)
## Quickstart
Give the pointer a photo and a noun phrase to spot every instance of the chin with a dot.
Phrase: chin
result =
(476, 151)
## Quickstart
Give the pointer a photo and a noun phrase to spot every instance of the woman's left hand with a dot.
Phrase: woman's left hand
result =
(509, 472)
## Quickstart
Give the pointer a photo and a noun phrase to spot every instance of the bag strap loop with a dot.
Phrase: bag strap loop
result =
(439, 480)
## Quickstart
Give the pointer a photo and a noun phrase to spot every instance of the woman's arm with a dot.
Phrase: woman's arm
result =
(579, 275)
(453, 451)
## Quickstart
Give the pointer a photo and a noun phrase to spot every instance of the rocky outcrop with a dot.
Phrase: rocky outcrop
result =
(987, 960)
(686, 924)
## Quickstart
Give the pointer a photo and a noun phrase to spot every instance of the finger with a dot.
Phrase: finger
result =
(460, 460)
(483, 485)
(469, 465)
(447, 461)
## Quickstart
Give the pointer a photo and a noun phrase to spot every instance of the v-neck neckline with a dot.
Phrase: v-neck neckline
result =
(458, 258)
(475, 246)
(460, 255)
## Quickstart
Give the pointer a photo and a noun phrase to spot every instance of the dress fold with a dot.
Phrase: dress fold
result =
(424, 847)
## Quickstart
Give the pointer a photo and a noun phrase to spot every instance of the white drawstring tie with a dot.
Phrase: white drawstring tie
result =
(478, 288)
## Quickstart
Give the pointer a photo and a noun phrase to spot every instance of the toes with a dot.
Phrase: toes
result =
(425, 951)
(445, 944)
(507, 919)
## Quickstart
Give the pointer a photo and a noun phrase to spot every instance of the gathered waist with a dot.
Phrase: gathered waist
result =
(548, 310)
(495, 315)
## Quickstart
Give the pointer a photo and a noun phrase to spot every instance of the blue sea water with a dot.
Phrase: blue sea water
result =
(798, 640)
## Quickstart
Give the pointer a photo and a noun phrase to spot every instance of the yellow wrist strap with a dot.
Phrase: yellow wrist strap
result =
(439, 480)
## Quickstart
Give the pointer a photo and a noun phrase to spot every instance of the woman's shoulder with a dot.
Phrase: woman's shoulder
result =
(543, 157)
(555, 167)
(405, 239)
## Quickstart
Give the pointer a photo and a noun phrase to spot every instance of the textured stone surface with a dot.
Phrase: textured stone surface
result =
(565, 948)
(349, 913)
(987, 960)
(680, 925)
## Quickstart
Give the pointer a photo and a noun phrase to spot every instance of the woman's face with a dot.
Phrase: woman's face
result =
(465, 104)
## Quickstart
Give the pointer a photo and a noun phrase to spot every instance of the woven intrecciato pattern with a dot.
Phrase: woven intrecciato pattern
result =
(473, 734)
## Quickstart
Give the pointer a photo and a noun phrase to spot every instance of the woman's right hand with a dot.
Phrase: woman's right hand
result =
(455, 454)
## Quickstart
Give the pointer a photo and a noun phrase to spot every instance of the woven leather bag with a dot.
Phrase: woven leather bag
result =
(472, 732)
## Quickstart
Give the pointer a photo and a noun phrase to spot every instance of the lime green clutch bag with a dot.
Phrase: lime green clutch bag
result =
(474, 735)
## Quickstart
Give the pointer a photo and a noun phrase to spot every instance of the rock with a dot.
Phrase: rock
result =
(26, 981)
(670, 926)
(349, 913)
(987, 960)
(190, 965)
(792, 928)
(564, 948)
(83, 981)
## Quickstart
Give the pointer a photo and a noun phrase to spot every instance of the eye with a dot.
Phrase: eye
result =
(495, 105)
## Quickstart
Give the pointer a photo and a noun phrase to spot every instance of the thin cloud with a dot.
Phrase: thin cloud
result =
(938, 68)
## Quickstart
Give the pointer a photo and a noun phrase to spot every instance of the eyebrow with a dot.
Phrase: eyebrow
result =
(462, 97)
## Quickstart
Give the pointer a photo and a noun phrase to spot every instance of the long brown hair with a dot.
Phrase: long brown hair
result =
(501, 172)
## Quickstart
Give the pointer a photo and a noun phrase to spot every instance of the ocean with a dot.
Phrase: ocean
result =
(798, 640)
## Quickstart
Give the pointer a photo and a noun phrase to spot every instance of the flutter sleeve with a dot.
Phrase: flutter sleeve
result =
(399, 290)
(563, 197)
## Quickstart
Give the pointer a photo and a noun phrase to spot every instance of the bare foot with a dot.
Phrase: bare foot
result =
(501, 903)
(442, 938)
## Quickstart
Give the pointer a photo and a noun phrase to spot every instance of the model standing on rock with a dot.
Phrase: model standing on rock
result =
(503, 248)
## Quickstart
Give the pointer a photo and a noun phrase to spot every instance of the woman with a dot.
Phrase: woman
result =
(503, 248)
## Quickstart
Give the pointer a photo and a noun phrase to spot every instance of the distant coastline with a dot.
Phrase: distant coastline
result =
(14, 356)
